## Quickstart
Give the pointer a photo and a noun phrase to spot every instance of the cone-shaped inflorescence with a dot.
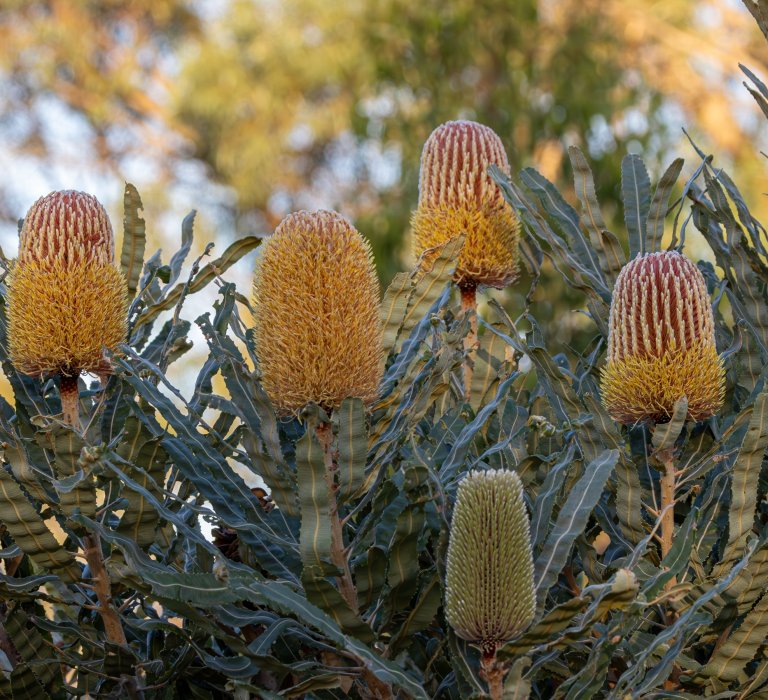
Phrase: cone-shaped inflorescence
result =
(317, 328)
(490, 596)
(457, 196)
(661, 343)
(67, 301)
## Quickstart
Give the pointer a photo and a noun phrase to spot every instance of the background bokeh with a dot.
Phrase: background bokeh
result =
(248, 109)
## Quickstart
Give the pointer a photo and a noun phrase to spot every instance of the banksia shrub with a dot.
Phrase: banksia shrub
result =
(490, 595)
(317, 328)
(67, 301)
(661, 343)
(457, 196)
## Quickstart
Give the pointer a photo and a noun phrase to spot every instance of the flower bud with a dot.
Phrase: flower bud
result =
(66, 301)
(490, 595)
(661, 342)
(458, 196)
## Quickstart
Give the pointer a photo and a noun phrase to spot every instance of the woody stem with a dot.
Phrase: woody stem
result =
(103, 589)
(70, 400)
(469, 302)
(347, 589)
(70, 404)
(493, 672)
(668, 486)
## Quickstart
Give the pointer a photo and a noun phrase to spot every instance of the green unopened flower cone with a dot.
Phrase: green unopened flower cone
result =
(490, 594)
(316, 314)
(661, 342)
(67, 301)
(457, 196)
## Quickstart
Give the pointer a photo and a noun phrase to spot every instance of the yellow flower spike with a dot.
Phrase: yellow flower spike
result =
(316, 314)
(489, 590)
(457, 196)
(66, 301)
(661, 342)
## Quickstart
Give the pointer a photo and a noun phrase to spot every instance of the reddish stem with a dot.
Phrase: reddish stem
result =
(469, 302)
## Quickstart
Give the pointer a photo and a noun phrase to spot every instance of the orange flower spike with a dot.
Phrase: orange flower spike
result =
(457, 196)
(316, 314)
(66, 301)
(661, 342)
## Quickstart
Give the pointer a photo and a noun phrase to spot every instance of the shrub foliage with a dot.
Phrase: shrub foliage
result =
(330, 580)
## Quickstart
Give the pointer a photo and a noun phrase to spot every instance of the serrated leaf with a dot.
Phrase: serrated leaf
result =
(461, 446)
(403, 570)
(33, 648)
(206, 275)
(589, 679)
(608, 249)
(273, 594)
(30, 532)
(756, 684)
(545, 630)
(636, 194)
(80, 491)
(581, 255)
(742, 266)
(194, 456)
(660, 204)
(370, 576)
(665, 435)
(677, 560)
(744, 484)
(629, 501)
(747, 588)
(571, 521)
(321, 592)
(422, 613)
(178, 258)
(25, 685)
(730, 658)
(314, 502)
(548, 494)
(25, 472)
(262, 439)
(169, 344)
(146, 461)
(23, 588)
(604, 432)
(492, 363)
(134, 239)
(394, 306)
(352, 442)
(639, 678)
(429, 285)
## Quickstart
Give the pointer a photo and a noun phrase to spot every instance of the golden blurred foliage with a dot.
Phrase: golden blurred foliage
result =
(305, 103)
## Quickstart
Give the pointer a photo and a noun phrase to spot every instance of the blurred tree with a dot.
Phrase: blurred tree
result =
(306, 103)
(541, 74)
(301, 102)
(108, 61)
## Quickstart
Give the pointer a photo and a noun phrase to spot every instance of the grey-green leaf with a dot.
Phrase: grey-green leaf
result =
(660, 204)
(571, 521)
(636, 193)
(352, 442)
(134, 239)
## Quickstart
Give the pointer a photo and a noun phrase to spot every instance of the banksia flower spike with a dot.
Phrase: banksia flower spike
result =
(317, 328)
(661, 343)
(67, 301)
(490, 595)
(457, 196)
